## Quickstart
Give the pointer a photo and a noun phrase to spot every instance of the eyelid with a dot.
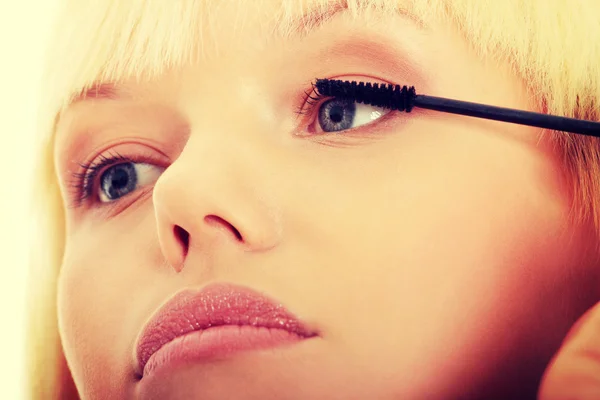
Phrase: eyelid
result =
(399, 60)
(84, 131)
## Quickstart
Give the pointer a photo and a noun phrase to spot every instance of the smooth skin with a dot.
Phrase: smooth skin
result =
(434, 253)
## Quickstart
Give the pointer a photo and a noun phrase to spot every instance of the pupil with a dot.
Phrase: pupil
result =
(336, 114)
(120, 178)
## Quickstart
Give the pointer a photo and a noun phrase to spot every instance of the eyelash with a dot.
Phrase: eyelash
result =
(84, 182)
(311, 100)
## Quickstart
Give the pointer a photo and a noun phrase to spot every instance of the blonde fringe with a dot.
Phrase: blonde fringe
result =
(140, 39)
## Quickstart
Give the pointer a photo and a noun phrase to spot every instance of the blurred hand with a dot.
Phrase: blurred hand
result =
(574, 373)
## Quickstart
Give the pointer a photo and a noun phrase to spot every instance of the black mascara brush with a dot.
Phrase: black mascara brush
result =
(395, 97)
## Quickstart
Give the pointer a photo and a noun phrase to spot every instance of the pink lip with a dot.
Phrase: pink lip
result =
(218, 320)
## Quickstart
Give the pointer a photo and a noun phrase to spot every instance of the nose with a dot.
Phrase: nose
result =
(210, 200)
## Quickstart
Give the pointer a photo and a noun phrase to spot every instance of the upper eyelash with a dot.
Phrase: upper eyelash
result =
(83, 182)
(311, 98)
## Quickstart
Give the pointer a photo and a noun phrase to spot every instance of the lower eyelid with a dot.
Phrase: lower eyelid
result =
(382, 128)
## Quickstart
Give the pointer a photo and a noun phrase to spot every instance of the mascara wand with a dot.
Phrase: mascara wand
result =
(395, 97)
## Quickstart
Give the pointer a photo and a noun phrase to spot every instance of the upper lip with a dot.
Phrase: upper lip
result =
(215, 305)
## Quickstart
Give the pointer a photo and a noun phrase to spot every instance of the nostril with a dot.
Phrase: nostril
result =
(218, 221)
(183, 237)
(237, 233)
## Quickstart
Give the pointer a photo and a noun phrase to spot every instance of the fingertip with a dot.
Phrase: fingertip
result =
(574, 372)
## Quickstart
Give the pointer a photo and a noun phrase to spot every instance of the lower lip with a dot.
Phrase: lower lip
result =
(216, 342)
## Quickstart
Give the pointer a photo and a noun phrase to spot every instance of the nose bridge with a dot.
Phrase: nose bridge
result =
(232, 129)
(218, 184)
(228, 148)
(215, 168)
(229, 120)
(235, 96)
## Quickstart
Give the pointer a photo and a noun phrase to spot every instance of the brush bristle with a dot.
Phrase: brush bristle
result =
(388, 96)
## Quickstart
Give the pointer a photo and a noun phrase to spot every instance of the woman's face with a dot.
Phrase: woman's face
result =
(431, 254)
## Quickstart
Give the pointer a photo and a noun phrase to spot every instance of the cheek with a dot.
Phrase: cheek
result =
(444, 251)
(96, 306)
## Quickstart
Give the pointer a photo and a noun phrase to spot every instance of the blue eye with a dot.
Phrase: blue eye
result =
(122, 179)
(340, 114)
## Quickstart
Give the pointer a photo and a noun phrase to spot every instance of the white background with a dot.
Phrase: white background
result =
(24, 28)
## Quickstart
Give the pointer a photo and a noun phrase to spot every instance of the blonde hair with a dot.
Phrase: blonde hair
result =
(118, 39)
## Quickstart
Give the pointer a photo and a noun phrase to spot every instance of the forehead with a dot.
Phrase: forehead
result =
(186, 30)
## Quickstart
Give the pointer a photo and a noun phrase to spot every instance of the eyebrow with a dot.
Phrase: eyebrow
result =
(99, 91)
(319, 16)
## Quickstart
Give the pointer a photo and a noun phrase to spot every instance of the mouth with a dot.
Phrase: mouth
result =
(217, 321)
